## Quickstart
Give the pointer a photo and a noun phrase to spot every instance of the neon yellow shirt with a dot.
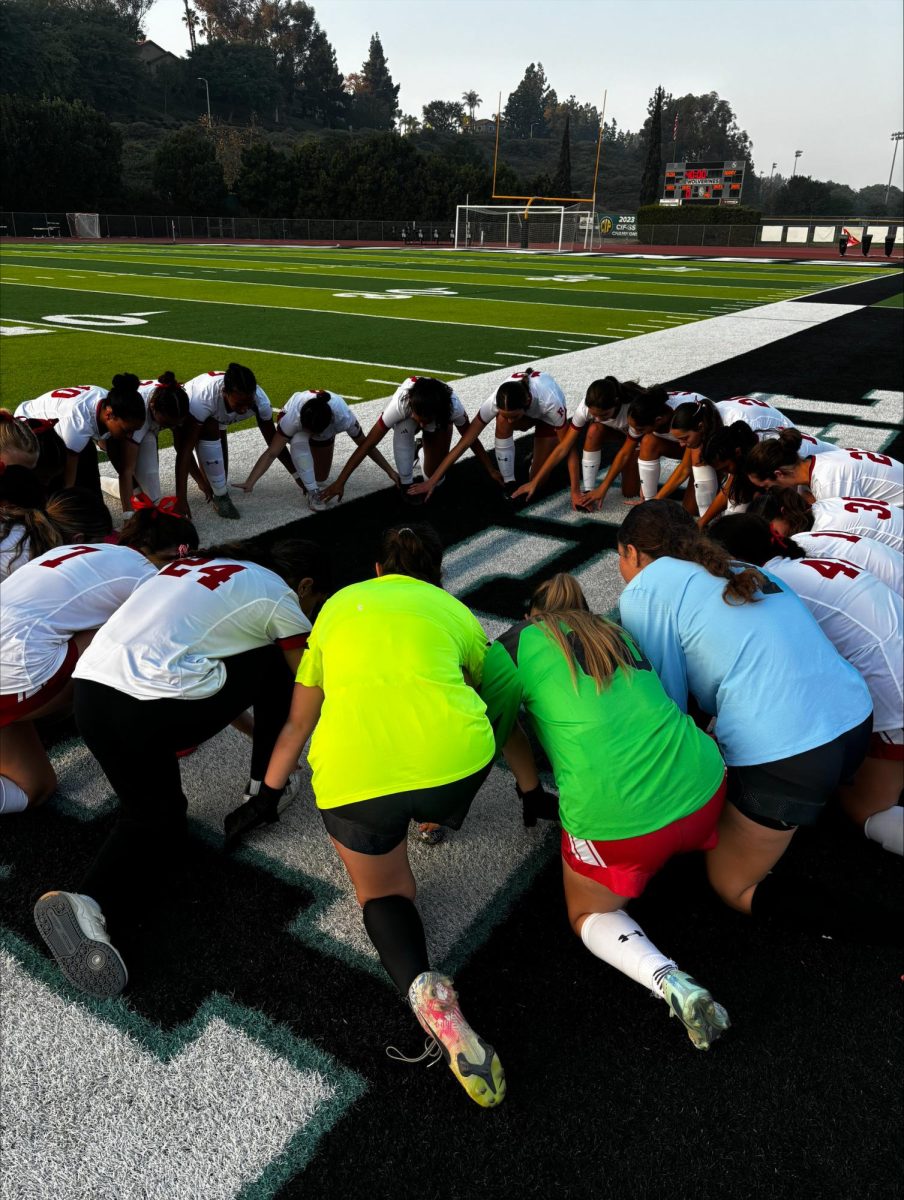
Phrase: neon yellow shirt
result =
(397, 713)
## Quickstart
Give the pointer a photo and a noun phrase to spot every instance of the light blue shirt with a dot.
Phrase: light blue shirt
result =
(773, 680)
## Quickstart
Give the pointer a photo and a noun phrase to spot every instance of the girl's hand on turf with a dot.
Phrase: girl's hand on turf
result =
(335, 490)
(424, 489)
(592, 501)
(633, 501)
(246, 487)
(577, 501)
(525, 492)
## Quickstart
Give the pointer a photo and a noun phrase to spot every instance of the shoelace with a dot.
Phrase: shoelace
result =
(431, 1050)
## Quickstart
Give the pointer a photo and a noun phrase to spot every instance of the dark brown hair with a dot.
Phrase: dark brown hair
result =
(291, 558)
(663, 529)
(765, 458)
(786, 503)
(751, 539)
(413, 550)
(150, 530)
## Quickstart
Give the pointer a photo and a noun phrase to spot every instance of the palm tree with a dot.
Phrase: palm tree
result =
(472, 100)
(191, 20)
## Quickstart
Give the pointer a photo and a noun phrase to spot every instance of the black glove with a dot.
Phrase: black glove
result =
(261, 809)
(538, 803)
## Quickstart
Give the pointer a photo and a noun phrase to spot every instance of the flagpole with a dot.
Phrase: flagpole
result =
(675, 136)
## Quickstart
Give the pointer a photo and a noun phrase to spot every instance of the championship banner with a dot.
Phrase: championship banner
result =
(616, 225)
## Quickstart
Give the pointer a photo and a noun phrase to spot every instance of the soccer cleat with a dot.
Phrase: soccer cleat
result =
(76, 933)
(702, 1017)
(509, 487)
(315, 504)
(261, 805)
(225, 508)
(472, 1061)
(432, 837)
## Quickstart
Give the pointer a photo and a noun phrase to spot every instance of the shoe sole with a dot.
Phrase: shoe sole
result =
(704, 1019)
(92, 967)
(484, 1082)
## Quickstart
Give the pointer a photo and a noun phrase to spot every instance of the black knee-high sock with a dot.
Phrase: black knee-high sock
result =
(394, 926)
(801, 904)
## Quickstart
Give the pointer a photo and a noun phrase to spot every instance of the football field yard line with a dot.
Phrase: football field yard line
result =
(477, 362)
(361, 362)
(340, 312)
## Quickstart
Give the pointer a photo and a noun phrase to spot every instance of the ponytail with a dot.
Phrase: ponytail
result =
(124, 398)
(605, 394)
(662, 529)
(80, 514)
(413, 550)
(17, 441)
(38, 533)
(152, 529)
(766, 458)
(316, 413)
(559, 607)
(699, 414)
(170, 399)
(647, 404)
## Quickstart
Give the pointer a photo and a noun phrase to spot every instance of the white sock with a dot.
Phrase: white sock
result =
(211, 456)
(320, 484)
(705, 487)
(109, 485)
(505, 458)
(12, 797)
(147, 468)
(619, 941)
(403, 452)
(590, 465)
(303, 461)
(887, 828)
(649, 477)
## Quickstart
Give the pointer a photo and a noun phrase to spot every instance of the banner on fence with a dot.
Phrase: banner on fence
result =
(618, 225)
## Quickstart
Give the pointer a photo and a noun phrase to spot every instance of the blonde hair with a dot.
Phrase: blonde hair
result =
(559, 607)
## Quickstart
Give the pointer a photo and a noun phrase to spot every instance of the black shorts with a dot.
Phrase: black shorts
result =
(377, 826)
(793, 791)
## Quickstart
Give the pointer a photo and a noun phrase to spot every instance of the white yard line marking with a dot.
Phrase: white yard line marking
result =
(510, 354)
(552, 347)
(477, 362)
(361, 362)
(388, 382)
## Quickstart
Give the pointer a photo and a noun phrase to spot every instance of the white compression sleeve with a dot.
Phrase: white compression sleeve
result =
(505, 458)
(619, 941)
(147, 468)
(887, 828)
(12, 798)
(590, 466)
(303, 461)
(211, 457)
(403, 451)
(649, 477)
(705, 487)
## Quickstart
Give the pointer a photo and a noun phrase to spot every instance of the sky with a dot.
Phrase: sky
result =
(822, 76)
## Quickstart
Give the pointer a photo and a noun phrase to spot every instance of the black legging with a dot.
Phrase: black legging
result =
(135, 742)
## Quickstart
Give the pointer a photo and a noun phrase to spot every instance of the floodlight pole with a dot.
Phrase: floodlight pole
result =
(201, 79)
(596, 168)
(797, 154)
(895, 137)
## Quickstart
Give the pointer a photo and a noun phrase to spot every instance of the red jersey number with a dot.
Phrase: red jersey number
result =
(207, 576)
(70, 393)
(852, 505)
(750, 400)
(79, 550)
(882, 459)
(830, 568)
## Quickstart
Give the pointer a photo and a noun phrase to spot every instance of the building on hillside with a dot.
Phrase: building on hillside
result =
(484, 125)
(153, 55)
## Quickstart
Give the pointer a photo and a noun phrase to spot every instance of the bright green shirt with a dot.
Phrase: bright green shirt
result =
(627, 761)
(397, 713)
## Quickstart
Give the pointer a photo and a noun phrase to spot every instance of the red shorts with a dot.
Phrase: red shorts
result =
(626, 865)
(542, 430)
(13, 709)
(888, 745)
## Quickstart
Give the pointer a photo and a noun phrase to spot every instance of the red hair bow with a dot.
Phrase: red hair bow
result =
(168, 504)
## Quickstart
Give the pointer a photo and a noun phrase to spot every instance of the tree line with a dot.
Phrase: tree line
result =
(86, 122)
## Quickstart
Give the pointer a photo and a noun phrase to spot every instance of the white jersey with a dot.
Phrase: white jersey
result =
(886, 563)
(15, 551)
(342, 419)
(76, 411)
(857, 473)
(170, 640)
(61, 592)
(756, 413)
(146, 389)
(583, 416)
(862, 618)
(399, 409)
(547, 402)
(858, 514)
(206, 399)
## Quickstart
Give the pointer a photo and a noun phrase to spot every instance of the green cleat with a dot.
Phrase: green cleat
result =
(701, 1016)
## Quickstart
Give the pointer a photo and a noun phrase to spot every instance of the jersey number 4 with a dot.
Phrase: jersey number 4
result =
(829, 568)
(207, 576)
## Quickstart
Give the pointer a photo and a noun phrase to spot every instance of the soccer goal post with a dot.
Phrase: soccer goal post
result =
(83, 225)
(512, 227)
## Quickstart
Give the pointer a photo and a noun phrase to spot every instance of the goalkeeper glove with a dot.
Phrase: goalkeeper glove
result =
(262, 809)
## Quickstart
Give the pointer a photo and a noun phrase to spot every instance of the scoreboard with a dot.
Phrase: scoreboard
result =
(703, 182)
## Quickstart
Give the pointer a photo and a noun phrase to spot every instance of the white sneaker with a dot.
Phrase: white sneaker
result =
(75, 930)
(315, 504)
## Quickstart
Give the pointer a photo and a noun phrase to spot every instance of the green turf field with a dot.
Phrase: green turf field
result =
(352, 320)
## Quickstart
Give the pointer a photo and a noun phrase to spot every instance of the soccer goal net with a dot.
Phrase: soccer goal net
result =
(497, 226)
(83, 225)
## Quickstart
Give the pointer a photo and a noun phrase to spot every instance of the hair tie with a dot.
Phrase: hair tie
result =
(777, 540)
(167, 504)
(183, 550)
